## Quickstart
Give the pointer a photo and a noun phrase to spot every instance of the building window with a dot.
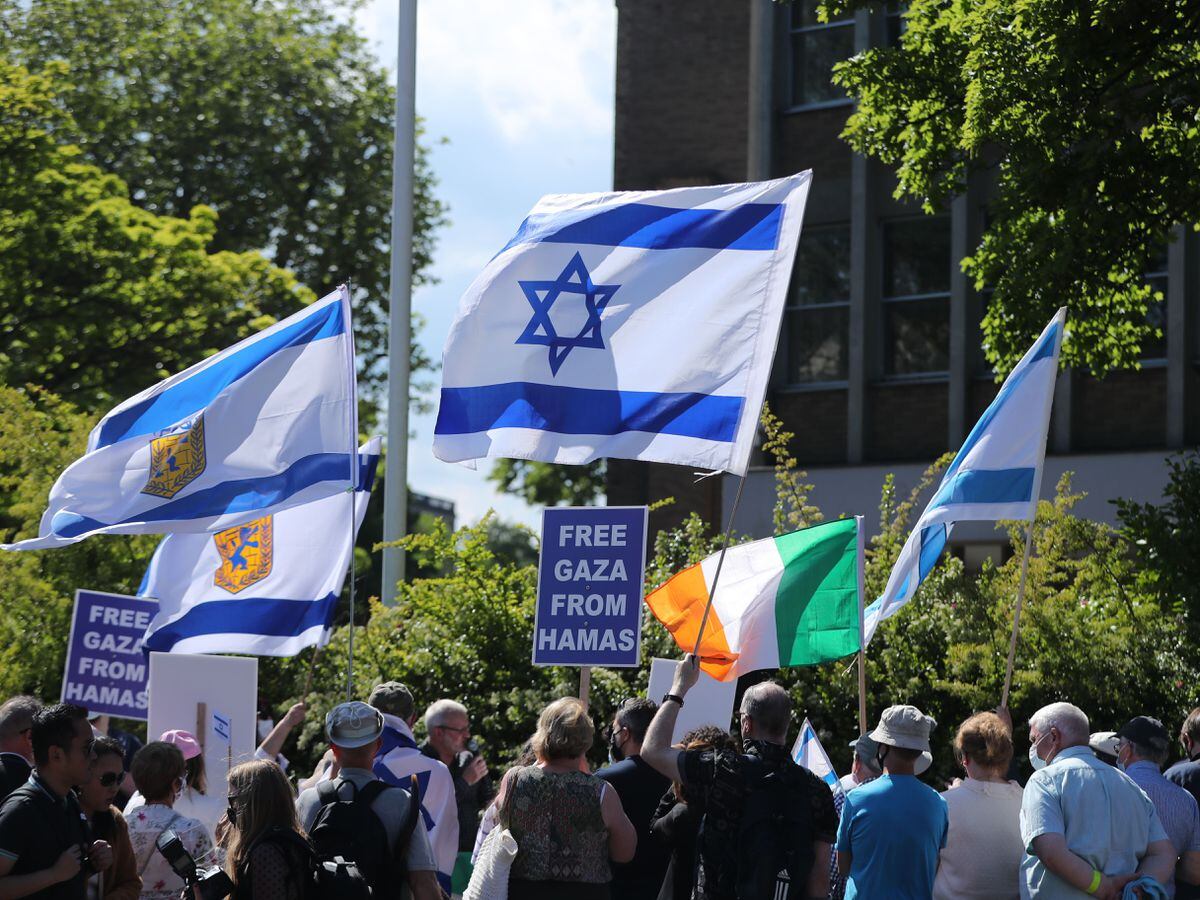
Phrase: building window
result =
(894, 24)
(818, 312)
(815, 47)
(916, 296)
(1156, 314)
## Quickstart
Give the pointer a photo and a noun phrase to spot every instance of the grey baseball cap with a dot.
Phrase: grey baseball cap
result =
(354, 724)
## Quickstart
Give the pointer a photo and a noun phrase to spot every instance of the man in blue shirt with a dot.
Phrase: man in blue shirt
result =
(1087, 828)
(893, 827)
(1142, 747)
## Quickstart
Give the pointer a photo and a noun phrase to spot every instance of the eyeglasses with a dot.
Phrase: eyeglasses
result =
(464, 730)
(109, 779)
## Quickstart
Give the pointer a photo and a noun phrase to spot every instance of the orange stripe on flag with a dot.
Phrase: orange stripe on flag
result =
(679, 605)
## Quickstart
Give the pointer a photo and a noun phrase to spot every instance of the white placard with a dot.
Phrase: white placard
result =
(710, 702)
(226, 685)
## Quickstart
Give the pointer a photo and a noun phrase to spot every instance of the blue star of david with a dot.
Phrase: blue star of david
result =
(574, 279)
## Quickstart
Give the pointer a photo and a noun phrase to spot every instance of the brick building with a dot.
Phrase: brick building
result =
(878, 367)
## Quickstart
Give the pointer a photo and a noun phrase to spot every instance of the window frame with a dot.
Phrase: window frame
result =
(886, 302)
(791, 307)
(793, 105)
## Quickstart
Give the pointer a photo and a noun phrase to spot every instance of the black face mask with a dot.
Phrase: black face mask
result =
(231, 815)
(617, 753)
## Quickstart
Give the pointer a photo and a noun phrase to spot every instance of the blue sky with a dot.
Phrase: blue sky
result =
(524, 94)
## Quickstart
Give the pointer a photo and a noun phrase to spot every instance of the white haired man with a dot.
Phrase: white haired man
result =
(448, 725)
(1087, 828)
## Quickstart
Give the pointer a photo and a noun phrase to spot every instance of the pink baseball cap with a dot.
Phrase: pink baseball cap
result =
(185, 741)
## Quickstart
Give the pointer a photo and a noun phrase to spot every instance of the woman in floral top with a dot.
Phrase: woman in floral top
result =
(158, 771)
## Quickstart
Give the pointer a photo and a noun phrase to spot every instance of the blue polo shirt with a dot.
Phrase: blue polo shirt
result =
(894, 827)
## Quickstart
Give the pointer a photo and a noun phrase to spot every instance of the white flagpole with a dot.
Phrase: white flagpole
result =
(395, 509)
(1037, 492)
(862, 649)
(353, 426)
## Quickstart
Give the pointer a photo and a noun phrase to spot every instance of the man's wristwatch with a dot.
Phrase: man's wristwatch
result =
(674, 697)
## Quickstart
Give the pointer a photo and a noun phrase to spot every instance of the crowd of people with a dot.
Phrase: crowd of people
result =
(91, 812)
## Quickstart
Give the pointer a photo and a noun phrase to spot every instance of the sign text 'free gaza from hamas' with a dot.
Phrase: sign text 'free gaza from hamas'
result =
(590, 578)
(106, 669)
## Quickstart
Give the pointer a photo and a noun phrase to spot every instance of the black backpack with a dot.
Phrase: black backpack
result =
(766, 853)
(773, 853)
(354, 859)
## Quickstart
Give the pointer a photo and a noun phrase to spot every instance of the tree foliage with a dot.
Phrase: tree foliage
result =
(98, 297)
(276, 114)
(1082, 115)
(549, 484)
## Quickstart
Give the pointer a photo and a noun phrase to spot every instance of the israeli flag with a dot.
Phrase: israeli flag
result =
(267, 424)
(639, 325)
(997, 473)
(808, 752)
(267, 587)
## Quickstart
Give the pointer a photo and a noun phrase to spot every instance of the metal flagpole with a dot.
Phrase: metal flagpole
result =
(720, 562)
(395, 509)
(354, 477)
(862, 630)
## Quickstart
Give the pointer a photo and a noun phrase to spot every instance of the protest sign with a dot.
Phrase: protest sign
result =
(106, 669)
(589, 600)
(186, 692)
(710, 702)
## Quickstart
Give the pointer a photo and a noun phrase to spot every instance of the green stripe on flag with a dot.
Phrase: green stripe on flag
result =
(816, 606)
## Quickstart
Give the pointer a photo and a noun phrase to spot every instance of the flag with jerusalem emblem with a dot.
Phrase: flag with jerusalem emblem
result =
(268, 587)
(262, 426)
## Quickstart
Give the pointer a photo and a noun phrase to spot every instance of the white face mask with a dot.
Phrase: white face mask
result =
(265, 727)
(1034, 760)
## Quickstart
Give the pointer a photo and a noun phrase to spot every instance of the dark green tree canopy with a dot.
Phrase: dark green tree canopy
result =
(98, 297)
(274, 113)
(1083, 114)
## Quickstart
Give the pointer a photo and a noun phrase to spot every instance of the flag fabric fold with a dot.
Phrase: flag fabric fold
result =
(808, 752)
(996, 474)
(639, 325)
(268, 587)
(790, 600)
(266, 424)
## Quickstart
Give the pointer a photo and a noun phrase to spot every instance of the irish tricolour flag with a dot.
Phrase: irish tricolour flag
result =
(791, 600)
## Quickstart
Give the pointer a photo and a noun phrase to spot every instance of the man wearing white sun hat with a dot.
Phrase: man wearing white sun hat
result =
(893, 827)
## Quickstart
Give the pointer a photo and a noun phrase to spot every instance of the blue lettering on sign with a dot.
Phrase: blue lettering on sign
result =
(107, 672)
(590, 582)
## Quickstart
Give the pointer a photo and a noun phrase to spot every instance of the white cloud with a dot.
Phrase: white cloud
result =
(528, 66)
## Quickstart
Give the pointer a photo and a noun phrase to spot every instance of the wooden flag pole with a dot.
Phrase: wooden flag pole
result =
(585, 683)
(720, 562)
(862, 631)
(1012, 644)
(312, 664)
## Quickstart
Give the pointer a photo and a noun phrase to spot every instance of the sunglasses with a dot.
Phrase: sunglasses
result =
(110, 779)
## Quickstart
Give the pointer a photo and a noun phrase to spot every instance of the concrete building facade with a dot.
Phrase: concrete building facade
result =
(879, 366)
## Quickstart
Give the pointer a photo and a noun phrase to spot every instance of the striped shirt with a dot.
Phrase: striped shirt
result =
(1177, 809)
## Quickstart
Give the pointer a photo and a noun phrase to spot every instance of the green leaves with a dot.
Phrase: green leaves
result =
(1081, 119)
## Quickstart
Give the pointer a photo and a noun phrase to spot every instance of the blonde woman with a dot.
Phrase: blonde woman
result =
(982, 856)
(568, 824)
(265, 850)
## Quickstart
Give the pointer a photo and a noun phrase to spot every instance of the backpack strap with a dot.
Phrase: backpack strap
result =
(370, 791)
(410, 820)
(327, 791)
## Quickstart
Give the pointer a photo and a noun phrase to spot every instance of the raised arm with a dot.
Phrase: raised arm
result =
(656, 748)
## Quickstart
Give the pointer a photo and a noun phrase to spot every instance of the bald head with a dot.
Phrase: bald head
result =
(769, 709)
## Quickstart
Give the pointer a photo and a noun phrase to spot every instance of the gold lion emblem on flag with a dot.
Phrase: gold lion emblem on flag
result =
(176, 460)
(246, 552)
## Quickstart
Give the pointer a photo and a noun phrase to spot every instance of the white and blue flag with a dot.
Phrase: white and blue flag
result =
(639, 325)
(267, 424)
(996, 475)
(808, 752)
(267, 587)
